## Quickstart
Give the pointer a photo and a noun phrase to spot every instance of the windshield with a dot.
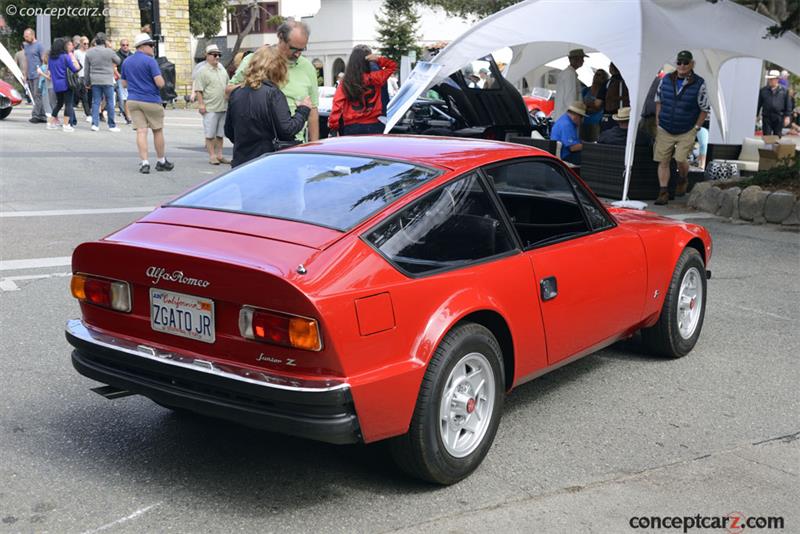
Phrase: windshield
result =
(336, 191)
(541, 92)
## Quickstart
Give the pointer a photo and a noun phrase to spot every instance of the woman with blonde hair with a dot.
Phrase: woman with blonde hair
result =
(258, 115)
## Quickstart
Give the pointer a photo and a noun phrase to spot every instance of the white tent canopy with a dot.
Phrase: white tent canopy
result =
(639, 36)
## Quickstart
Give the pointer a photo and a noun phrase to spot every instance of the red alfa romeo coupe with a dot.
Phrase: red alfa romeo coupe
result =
(365, 288)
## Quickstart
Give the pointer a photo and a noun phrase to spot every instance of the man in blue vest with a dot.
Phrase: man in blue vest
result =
(681, 108)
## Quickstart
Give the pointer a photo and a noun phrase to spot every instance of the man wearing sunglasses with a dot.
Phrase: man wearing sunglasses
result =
(681, 108)
(210, 90)
(122, 93)
(302, 76)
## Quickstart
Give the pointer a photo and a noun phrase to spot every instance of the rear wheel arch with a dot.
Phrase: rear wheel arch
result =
(498, 326)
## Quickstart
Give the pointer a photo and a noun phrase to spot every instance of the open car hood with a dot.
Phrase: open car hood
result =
(417, 82)
(500, 106)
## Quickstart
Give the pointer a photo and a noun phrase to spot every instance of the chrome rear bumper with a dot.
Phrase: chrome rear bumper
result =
(316, 409)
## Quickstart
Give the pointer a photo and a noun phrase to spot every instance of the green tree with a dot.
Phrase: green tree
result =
(85, 18)
(205, 16)
(468, 9)
(397, 28)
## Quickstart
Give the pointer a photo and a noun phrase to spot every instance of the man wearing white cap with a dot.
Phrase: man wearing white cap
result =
(774, 104)
(142, 76)
(210, 90)
(568, 88)
(566, 130)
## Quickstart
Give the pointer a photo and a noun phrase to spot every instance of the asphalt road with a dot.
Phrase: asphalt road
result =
(583, 449)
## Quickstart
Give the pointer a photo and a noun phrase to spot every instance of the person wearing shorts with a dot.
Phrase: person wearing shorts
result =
(210, 90)
(681, 108)
(143, 79)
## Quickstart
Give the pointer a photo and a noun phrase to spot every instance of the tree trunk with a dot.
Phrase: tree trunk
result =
(254, 9)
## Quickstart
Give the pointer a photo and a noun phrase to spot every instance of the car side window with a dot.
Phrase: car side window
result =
(539, 200)
(597, 218)
(452, 226)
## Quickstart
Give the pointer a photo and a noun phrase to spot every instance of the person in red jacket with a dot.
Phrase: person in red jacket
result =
(357, 101)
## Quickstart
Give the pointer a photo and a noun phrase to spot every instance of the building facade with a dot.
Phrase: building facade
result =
(336, 27)
(124, 21)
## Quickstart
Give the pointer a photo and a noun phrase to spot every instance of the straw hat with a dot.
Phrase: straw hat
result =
(212, 48)
(578, 107)
(622, 114)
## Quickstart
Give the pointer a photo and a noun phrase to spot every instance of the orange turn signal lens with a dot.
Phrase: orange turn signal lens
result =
(101, 292)
(304, 334)
(78, 286)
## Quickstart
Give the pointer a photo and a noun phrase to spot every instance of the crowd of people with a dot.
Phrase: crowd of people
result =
(74, 73)
(673, 116)
(264, 101)
(268, 99)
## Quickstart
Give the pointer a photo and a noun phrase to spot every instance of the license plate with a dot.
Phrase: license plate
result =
(182, 315)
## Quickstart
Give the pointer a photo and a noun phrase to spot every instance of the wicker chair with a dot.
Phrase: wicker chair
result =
(544, 144)
(603, 167)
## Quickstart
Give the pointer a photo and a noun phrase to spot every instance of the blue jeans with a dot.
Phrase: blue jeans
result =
(98, 92)
(122, 96)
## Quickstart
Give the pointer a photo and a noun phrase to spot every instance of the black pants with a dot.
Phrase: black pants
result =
(772, 124)
(84, 98)
(63, 98)
(362, 129)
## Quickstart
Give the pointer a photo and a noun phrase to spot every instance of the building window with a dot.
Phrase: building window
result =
(240, 16)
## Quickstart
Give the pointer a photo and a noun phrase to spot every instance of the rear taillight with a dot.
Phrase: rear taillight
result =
(280, 328)
(101, 292)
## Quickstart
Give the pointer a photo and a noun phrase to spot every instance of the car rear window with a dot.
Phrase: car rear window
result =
(336, 191)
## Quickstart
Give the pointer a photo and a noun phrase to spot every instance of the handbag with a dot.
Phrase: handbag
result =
(721, 170)
(279, 144)
(73, 81)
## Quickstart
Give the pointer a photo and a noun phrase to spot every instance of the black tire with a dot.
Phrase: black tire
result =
(5, 112)
(421, 452)
(665, 338)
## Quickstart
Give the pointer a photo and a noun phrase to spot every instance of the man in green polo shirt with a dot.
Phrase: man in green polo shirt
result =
(302, 76)
(210, 85)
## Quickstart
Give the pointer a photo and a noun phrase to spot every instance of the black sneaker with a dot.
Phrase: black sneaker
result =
(145, 169)
(166, 166)
(34, 120)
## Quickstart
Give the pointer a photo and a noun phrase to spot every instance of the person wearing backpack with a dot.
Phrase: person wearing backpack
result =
(100, 62)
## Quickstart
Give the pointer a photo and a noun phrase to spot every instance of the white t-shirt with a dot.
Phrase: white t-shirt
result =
(566, 91)
(81, 57)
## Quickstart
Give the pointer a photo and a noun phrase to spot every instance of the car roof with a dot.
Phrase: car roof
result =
(451, 153)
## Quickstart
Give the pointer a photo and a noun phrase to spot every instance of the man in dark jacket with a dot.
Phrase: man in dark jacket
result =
(774, 105)
(681, 108)
(122, 93)
(618, 135)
